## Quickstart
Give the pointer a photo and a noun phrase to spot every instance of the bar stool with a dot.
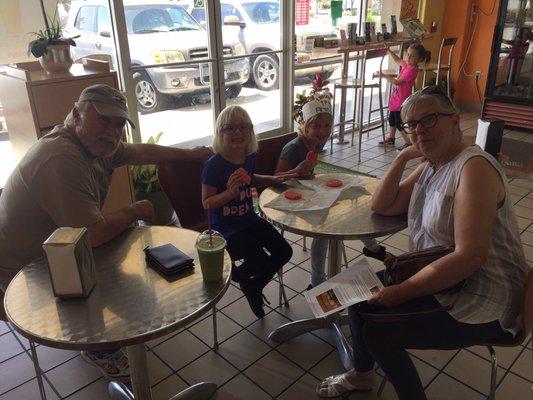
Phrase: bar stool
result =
(440, 67)
(359, 85)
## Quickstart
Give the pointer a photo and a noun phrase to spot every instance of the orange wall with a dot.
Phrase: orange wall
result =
(456, 23)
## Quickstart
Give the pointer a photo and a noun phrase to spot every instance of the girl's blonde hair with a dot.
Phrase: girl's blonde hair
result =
(302, 127)
(227, 116)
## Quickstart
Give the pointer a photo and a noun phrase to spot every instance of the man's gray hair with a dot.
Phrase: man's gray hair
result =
(431, 93)
(82, 107)
(227, 116)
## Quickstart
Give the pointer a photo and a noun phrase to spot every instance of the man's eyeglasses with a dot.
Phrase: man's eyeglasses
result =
(231, 128)
(428, 121)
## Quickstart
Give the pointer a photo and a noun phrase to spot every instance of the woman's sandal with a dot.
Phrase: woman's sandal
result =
(338, 385)
(387, 141)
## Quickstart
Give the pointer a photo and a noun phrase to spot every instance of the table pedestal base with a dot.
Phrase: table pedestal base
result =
(140, 382)
(200, 391)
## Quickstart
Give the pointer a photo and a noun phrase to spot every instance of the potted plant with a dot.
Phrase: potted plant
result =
(52, 50)
(146, 187)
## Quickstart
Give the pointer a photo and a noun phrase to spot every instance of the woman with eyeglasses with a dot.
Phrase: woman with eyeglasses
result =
(457, 196)
(227, 181)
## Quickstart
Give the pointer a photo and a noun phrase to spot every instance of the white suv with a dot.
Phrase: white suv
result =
(260, 31)
(159, 32)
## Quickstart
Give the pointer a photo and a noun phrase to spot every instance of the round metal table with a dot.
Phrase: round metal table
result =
(130, 304)
(350, 217)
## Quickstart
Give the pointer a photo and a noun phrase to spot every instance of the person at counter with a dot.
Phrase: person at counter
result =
(457, 197)
(63, 180)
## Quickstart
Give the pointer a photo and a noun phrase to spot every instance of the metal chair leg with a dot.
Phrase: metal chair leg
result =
(344, 255)
(331, 136)
(282, 296)
(215, 330)
(370, 109)
(381, 114)
(361, 107)
(304, 244)
(493, 373)
(38, 371)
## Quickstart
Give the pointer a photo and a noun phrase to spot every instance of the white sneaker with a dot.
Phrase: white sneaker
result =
(113, 365)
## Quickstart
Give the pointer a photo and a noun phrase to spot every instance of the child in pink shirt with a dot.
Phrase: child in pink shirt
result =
(402, 89)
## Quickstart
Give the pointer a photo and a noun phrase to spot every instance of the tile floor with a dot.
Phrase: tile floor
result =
(249, 366)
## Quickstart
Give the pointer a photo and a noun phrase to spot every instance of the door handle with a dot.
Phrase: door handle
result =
(98, 45)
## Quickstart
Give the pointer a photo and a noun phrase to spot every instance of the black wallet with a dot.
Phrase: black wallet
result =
(168, 260)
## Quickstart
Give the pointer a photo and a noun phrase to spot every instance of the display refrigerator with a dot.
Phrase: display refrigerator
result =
(509, 90)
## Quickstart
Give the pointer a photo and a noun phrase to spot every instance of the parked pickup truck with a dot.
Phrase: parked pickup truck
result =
(159, 32)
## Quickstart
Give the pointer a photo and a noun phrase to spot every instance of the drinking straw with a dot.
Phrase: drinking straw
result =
(209, 227)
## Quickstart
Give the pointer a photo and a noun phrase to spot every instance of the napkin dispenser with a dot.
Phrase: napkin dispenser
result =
(70, 262)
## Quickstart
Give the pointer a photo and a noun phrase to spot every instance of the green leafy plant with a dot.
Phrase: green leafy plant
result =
(145, 176)
(49, 36)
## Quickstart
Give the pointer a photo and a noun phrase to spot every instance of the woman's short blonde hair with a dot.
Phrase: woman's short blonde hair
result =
(229, 115)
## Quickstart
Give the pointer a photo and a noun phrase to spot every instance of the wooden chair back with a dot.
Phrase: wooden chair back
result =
(182, 183)
(269, 151)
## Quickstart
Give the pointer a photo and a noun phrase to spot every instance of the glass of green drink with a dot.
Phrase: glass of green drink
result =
(210, 246)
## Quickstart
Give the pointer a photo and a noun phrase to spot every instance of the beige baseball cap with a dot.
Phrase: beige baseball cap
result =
(107, 101)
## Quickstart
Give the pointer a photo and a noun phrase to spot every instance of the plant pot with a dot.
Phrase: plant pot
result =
(164, 212)
(56, 59)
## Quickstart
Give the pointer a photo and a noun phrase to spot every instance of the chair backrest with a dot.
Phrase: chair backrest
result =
(445, 43)
(269, 151)
(527, 305)
(182, 183)
(369, 55)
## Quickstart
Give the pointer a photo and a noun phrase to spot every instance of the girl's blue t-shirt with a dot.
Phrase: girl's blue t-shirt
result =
(239, 213)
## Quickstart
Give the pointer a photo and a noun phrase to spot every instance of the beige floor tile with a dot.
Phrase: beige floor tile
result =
(524, 365)
(9, 346)
(298, 350)
(437, 358)
(263, 327)
(505, 355)
(96, 390)
(243, 349)
(303, 388)
(296, 279)
(240, 312)
(518, 190)
(271, 292)
(299, 309)
(155, 342)
(225, 328)
(240, 388)
(15, 371)
(70, 376)
(274, 373)
(30, 391)
(4, 328)
(168, 388)
(527, 238)
(208, 368)
(157, 370)
(233, 293)
(330, 365)
(50, 357)
(472, 370)
(525, 183)
(528, 251)
(446, 388)
(513, 388)
(523, 223)
(180, 350)
(526, 202)
(399, 241)
(298, 254)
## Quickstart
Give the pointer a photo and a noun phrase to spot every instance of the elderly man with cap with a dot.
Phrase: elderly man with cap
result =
(63, 180)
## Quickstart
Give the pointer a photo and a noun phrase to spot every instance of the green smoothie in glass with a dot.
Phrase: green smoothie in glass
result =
(211, 253)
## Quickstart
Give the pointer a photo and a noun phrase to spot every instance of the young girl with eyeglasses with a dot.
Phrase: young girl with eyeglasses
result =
(227, 181)
(315, 127)
(402, 89)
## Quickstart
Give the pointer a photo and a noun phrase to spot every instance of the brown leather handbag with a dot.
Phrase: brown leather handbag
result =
(398, 269)
(402, 267)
